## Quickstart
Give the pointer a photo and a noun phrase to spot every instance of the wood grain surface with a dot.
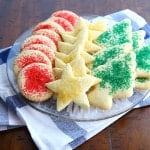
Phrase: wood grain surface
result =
(131, 132)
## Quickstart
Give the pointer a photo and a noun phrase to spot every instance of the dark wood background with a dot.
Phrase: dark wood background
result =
(131, 132)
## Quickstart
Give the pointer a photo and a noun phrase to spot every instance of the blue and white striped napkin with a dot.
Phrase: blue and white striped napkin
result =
(50, 132)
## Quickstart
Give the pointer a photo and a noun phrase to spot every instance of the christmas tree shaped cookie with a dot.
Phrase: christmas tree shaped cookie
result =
(117, 80)
(120, 33)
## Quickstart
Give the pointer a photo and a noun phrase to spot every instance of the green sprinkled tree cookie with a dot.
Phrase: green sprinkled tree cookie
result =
(141, 83)
(119, 34)
(106, 55)
(138, 39)
(118, 80)
(118, 74)
(143, 62)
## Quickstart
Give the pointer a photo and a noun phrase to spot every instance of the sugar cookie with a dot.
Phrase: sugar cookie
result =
(68, 15)
(142, 83)
(118, 76)
(143, 62)
(138, 39)
(42, 48)
(38, 39)
(27, 57)
(118, 34)
(31, 81)
(55, 37)
(100, 98)
(70, 88)
(102, 57)
(49, 24)
(66, 25)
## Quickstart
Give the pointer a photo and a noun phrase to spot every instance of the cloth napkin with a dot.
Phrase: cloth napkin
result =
(51, 133)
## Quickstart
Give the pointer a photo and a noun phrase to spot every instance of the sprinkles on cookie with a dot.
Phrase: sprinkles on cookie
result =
(32, 79)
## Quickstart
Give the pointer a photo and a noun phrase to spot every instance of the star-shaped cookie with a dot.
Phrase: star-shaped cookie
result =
(80, 39)
(71, 88)
(83, 35)
(77, 52)
(78, 66)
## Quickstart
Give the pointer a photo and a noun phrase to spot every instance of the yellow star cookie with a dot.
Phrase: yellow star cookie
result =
(83, 38)
(86, 34)
(96, 28)
(78, 66)
(77, 52)
(70, 88)
(99, 25)
(93, 34)
(80, 25)
(83, 35)
(80, 39)
(88, 46)
(67, 38)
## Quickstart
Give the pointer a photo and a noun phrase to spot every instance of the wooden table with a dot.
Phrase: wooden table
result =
(131, 132)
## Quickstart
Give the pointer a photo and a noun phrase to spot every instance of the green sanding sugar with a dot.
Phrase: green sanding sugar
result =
(128, 58)
(142, 80)
(119, 34)
(135, 40)
(143, 58)
(118, 75)
(102, 57)
(138, 39)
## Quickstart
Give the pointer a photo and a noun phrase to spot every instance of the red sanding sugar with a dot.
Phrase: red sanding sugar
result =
(49, 52)
(63, 22)
(37, 41)
(45, 25)
(26, 60)
(68, 15)
(55, 37)
(36, 77)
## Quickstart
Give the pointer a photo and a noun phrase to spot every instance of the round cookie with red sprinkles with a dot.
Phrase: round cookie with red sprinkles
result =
(63, 22)
(42, 48)
(27, 57)
(51, 34)
(32, 79)
(38, 39)
(68, 15)
(48, 24)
